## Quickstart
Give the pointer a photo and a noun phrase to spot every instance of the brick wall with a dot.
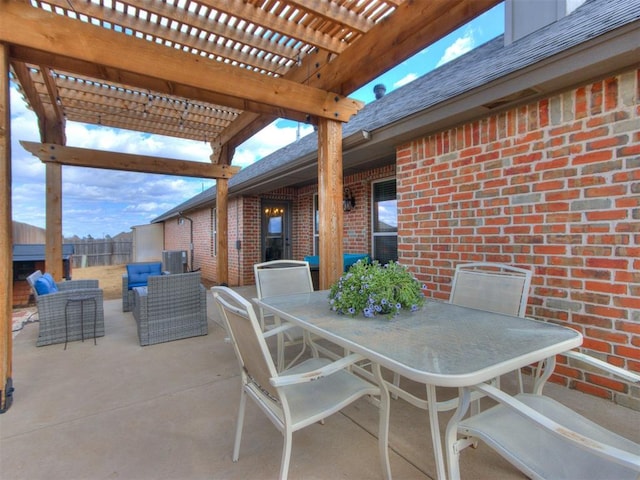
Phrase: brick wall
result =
(553, 186)
(357, 222)
(244, 224)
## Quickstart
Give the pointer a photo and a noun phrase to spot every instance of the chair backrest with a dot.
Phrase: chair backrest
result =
(494, 287)
(32, 279)
(174, 294)
(246, 336)
(282, 277)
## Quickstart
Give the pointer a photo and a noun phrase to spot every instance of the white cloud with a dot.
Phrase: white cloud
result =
(96, 201)
(267, 141)
(461, 46)
(410, 77)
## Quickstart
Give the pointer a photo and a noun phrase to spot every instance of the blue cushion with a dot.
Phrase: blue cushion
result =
(349, 259)
(52, 283)
(138, 273)
(314, 260)
(43, 287)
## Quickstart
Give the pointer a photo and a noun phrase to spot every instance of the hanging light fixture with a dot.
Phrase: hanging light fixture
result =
(348, 200)
(274, 211)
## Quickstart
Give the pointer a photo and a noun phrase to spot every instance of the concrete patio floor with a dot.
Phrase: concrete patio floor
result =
(168, 411)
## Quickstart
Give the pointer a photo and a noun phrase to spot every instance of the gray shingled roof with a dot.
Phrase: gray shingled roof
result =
(479, 67)
(35, 252)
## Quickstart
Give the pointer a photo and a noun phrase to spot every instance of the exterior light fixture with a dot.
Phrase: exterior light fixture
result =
(348, 200)
(274, 212)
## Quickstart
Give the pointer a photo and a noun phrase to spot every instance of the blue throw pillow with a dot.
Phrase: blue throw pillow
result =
(42, 286)
(52, 283)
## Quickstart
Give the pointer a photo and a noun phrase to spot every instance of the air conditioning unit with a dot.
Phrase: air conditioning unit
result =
(174, 261)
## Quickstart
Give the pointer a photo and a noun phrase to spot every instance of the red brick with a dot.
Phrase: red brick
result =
(591, 273)
(611, 191)
(597, 345)
(610, 93)
(593, 390)
(612, 288)
(563, 195)
(592, 157)
(583, 135)
(597, 216)
(628, 352)
(611, 263)
(615, 313)
(591, 297)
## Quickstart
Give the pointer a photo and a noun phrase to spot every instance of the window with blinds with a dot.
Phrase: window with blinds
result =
(316, 228)
(214, 231)
(385, 221)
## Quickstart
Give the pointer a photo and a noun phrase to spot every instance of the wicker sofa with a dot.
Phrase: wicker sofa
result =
(52, 308)
(170, 307)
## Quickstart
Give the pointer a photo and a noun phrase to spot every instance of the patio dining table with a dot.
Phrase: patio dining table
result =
(439, 345)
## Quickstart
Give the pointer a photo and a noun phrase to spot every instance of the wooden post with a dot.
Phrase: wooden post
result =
(6, 249)
(330, 191)
(222, 229)
(53, 242)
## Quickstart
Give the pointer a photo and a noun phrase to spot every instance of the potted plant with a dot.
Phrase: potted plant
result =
(373, 289)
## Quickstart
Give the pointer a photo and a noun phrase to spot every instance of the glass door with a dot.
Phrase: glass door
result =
(276, 230)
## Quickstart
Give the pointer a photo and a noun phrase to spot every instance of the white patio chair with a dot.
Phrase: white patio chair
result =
(282, 277)
(542, 437)
(300, 396)
(493, 287)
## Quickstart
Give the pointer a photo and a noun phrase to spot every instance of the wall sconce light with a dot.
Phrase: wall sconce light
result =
(348, 200)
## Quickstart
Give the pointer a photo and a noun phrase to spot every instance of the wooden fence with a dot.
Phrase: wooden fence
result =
(104, 251)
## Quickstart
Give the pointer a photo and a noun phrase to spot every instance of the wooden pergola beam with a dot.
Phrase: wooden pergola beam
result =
(83, 157)
(411, 28)
(78, 47)
(6, 260)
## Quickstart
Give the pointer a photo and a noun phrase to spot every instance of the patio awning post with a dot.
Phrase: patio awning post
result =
(330, 184)
(53, 223)
(222, 229)
(6, 261)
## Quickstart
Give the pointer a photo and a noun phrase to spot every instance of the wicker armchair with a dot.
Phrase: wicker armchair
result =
(170, 307)
(54, 328)
(136, 276)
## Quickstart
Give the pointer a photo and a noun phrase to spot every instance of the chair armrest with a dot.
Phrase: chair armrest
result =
(604, 366)
(274, 331)
(592, 445)
(64, 294)
(325, 371)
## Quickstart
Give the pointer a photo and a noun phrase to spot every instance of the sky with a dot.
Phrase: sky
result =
(98, 203)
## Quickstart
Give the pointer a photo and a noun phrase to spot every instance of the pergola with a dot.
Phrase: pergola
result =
(209, 70)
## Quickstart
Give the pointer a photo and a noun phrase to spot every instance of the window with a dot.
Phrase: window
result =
(214, 231)
(316, 228)
(385, 221)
